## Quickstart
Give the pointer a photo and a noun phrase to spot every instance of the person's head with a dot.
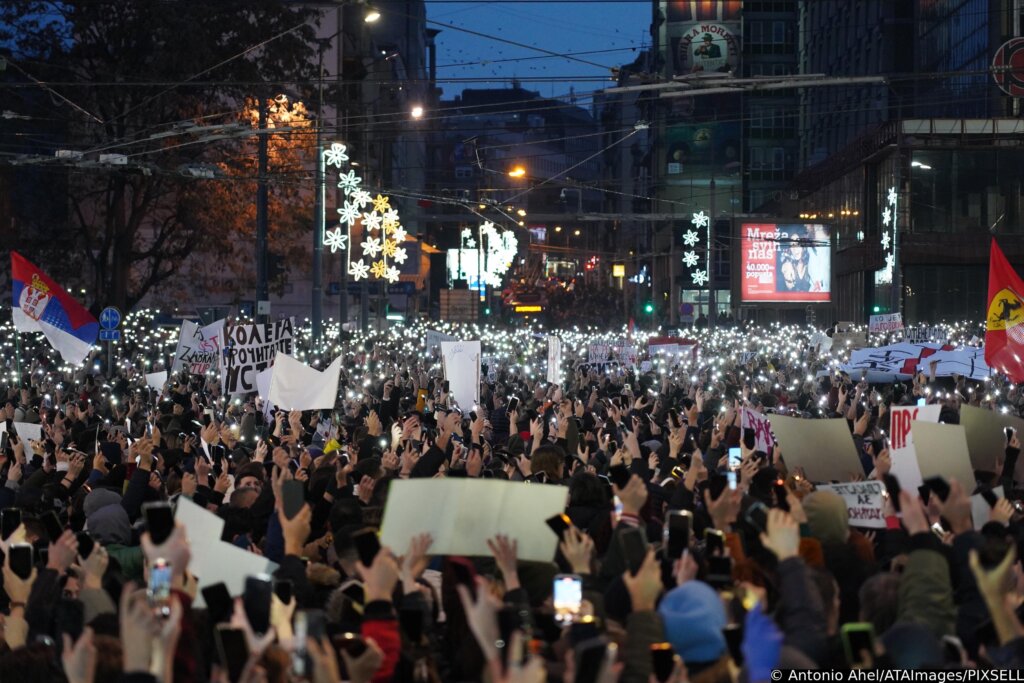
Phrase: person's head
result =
(708, 39)
(879, 599)
(244, 497)
(694, 617)
(547, 461)
(250, 476)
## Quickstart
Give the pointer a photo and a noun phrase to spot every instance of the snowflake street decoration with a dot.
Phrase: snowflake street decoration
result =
(885, 242)
(484, 257)
(470, 243)
(888, 238)
(697, 239)
(335, 239)
(376, 215)
(335, 155)
(892, 196)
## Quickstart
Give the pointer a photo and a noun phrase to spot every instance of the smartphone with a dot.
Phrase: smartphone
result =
(858, 638)
(892, 487)
(719, 571)
(10, 520)
(781, 495)
(446, 387)
(410, 621)
(232, 650)
(731, 479)
(284, 589)
(367, 545)
(568, 597)
(591, 657)
(735, 458)
(757, 516)
(54, 528)
(714, 542)
(21, 559)
(1009, 434)
(734, 642)
(924, 492)
(315, 622)
(938, 486)
(749, 438)
(634, 548)
(219, 604)
(159, 521)
(559, 523)
(663, 661)
(351, 643)
(513, 405)
(293, 497)
(990, 497)
(85, 544)
(716, 485)
(619, 475)
(677, 531)
(256, 600)
(69, 617)
(158, 590)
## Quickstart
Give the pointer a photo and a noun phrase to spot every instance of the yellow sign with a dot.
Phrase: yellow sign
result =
(529, 309)
(1006, 310)
(619, 270)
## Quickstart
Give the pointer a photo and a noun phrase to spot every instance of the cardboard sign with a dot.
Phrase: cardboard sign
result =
(885, 322)
(986, 436)
(942, 452)
(901, 442)
(296, 386)
(198, 348)
(156, 380)
(864, 501)
(461, 362)
(554, 360)
(251, 349)
(462, 514)
(823, 448)
(762, 427)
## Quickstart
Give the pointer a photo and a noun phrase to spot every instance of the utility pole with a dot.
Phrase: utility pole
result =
(318, 211)
(339, 34)
(712, 314)
(262, 290)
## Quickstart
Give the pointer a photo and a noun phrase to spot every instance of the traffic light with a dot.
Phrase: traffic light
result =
(876, 309)
(649, 307)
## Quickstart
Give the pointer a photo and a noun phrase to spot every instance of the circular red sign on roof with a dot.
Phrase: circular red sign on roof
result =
(1008, 67)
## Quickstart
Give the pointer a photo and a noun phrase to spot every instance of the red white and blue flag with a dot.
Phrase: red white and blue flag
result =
(41, 305)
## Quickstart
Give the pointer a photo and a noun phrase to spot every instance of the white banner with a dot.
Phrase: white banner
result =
(864, 502)
(296, 386)
(902, 361)
(461, 362)
(156, 380)
(598, 353)
(198, 348)
(901, 442)
(554, 360)
(885, 322)
(762, 429)
(434, 338)
(250, 349)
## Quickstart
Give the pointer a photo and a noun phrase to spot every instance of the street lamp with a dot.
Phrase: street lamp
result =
(417, 112)
(372, 15)
(517, 172)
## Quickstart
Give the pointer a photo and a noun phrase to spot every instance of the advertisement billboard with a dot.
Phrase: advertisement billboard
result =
(782, 263)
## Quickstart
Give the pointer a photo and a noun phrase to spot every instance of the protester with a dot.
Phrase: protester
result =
(759, 572)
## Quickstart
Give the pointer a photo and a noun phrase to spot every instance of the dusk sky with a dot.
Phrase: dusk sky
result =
(613, 32)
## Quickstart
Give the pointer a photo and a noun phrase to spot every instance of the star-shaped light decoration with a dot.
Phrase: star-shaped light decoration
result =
(379, 269)
(467, 233)
(349, 213)
(358, 270)
(886, 216)
(471, 243)
(885, 241)
(335, 239)
(391, 275)
(890, 262)
(400, 255)
(371, 221)
(381, 203)
(690, 259)
(372, 247)
(700, 277)
(690, 238)
(349, 182)
(335, 155)
(361, 198)
(892, 195)
(701, 220)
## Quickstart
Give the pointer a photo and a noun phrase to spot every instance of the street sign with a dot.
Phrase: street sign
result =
(110, 335)
(1008, 67)
(110, 318)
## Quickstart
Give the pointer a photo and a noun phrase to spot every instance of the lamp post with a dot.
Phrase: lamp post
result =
(318, 211)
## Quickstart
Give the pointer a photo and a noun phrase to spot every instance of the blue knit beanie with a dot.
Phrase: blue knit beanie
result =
(694, 619)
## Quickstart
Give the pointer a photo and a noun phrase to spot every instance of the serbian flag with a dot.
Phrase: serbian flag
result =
(1004, 331)
(40, 305)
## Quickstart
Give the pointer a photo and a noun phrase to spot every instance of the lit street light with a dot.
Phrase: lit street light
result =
(417, 112)
(517, 172)
(372, 15)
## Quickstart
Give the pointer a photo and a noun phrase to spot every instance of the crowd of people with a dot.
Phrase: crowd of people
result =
(675, 561)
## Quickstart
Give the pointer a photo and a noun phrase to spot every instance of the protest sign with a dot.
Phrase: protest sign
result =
(762, 427)
(554, 360)
(901, 442)
(296, 386)
(28, 431)
(823, 448)
(864, 501)
(156, 380)
(885, 322)
(198, 348)
(925, 333)
(986, 435)
(981, 511)
(250, 349)
(848, 336)
(461, 361)
(213, 560)
(433, 340)
(942, 452)
(598, 353)
(462, 514)
(263, 391)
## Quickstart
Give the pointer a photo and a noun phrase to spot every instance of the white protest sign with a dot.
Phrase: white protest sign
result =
(263, 391)
(433, 340)
(598, 353)
(864, 501)
(554, 360)
(156, 380)
(296, 386)
(901, 442)
(461, 362)
(198, 348)
(27, 431)
(885, 322)
(462, 514)
(250, 349)
(823, 448)
(981, 511)
(762, 427)
(213, 560)
(821, 341)
(942, 452)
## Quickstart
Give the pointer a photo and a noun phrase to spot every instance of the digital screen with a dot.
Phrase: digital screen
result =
(785, 262)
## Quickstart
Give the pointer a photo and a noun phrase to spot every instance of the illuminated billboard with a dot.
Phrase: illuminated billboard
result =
(782, 263)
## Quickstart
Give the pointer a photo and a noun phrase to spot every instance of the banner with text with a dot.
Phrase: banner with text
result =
(249, 350)
(864, 502)
(762, 429)
(901, 442)
(791, 262)
(198, 348)
(885, 322)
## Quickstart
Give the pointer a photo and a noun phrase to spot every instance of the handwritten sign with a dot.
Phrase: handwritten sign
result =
(864, 502)
(251, 349)
(762, 429)
(885, 322)
(901, 442)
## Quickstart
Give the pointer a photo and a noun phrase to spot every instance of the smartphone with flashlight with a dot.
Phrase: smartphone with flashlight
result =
(568, 597)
